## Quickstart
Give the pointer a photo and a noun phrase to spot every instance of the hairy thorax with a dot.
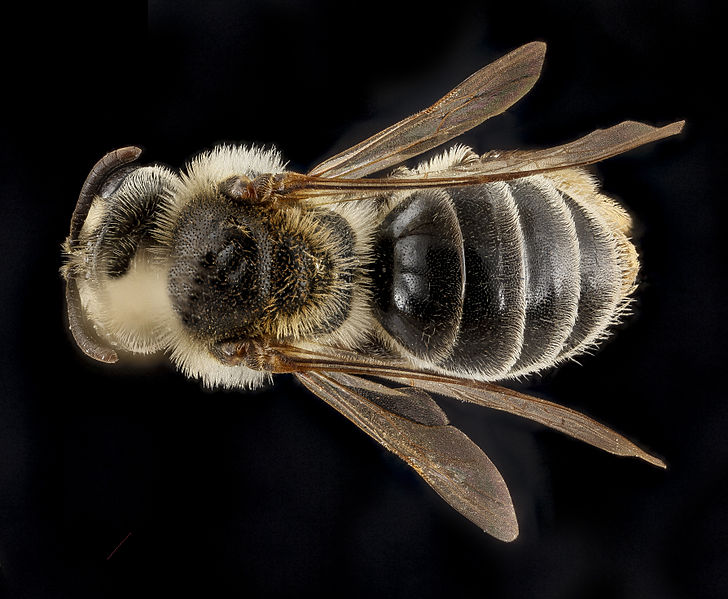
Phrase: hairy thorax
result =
(243, 271)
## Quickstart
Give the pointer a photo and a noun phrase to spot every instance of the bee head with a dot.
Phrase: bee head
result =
(108, 266)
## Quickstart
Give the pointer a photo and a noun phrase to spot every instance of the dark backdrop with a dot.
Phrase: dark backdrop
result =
(273, 492)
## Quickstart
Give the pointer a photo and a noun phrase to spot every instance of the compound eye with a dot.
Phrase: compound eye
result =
(115, 179)
(81, 330)
(101, 172)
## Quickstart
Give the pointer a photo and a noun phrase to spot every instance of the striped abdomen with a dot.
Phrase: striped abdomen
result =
(502, 279)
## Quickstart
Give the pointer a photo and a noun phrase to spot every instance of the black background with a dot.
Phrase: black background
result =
(273, 492)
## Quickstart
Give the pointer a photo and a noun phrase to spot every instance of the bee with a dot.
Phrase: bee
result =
(377, 293)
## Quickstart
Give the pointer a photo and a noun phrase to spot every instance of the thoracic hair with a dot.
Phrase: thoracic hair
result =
(168, 262)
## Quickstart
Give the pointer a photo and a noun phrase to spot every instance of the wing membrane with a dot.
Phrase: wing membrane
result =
(594, 147)
(408, 402)
(486, 93)
(560, 418)
(445, 458)
(494, 166)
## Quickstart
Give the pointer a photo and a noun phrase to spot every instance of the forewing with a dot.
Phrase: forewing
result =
(594, 147)
(493, 166)
(560, 418)
(486, 93)
(445, 458)
(493, 396)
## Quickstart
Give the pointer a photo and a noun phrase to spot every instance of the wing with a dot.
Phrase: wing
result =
(407, 421)
(560, 418)
(594, 147)
(488, 92)
(494, 166)
(420, 434)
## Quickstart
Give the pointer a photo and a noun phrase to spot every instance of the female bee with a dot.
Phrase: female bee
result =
(375, 292)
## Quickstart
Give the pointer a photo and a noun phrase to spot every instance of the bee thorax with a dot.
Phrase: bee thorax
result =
(240, 272)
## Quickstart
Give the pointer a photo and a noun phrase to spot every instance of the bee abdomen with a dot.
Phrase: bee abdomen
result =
(600, 277)
(419, 274)
(538, 277)
(552, 261)
(490, 332)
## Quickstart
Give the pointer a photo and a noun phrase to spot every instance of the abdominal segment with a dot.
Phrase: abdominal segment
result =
(496, 280)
